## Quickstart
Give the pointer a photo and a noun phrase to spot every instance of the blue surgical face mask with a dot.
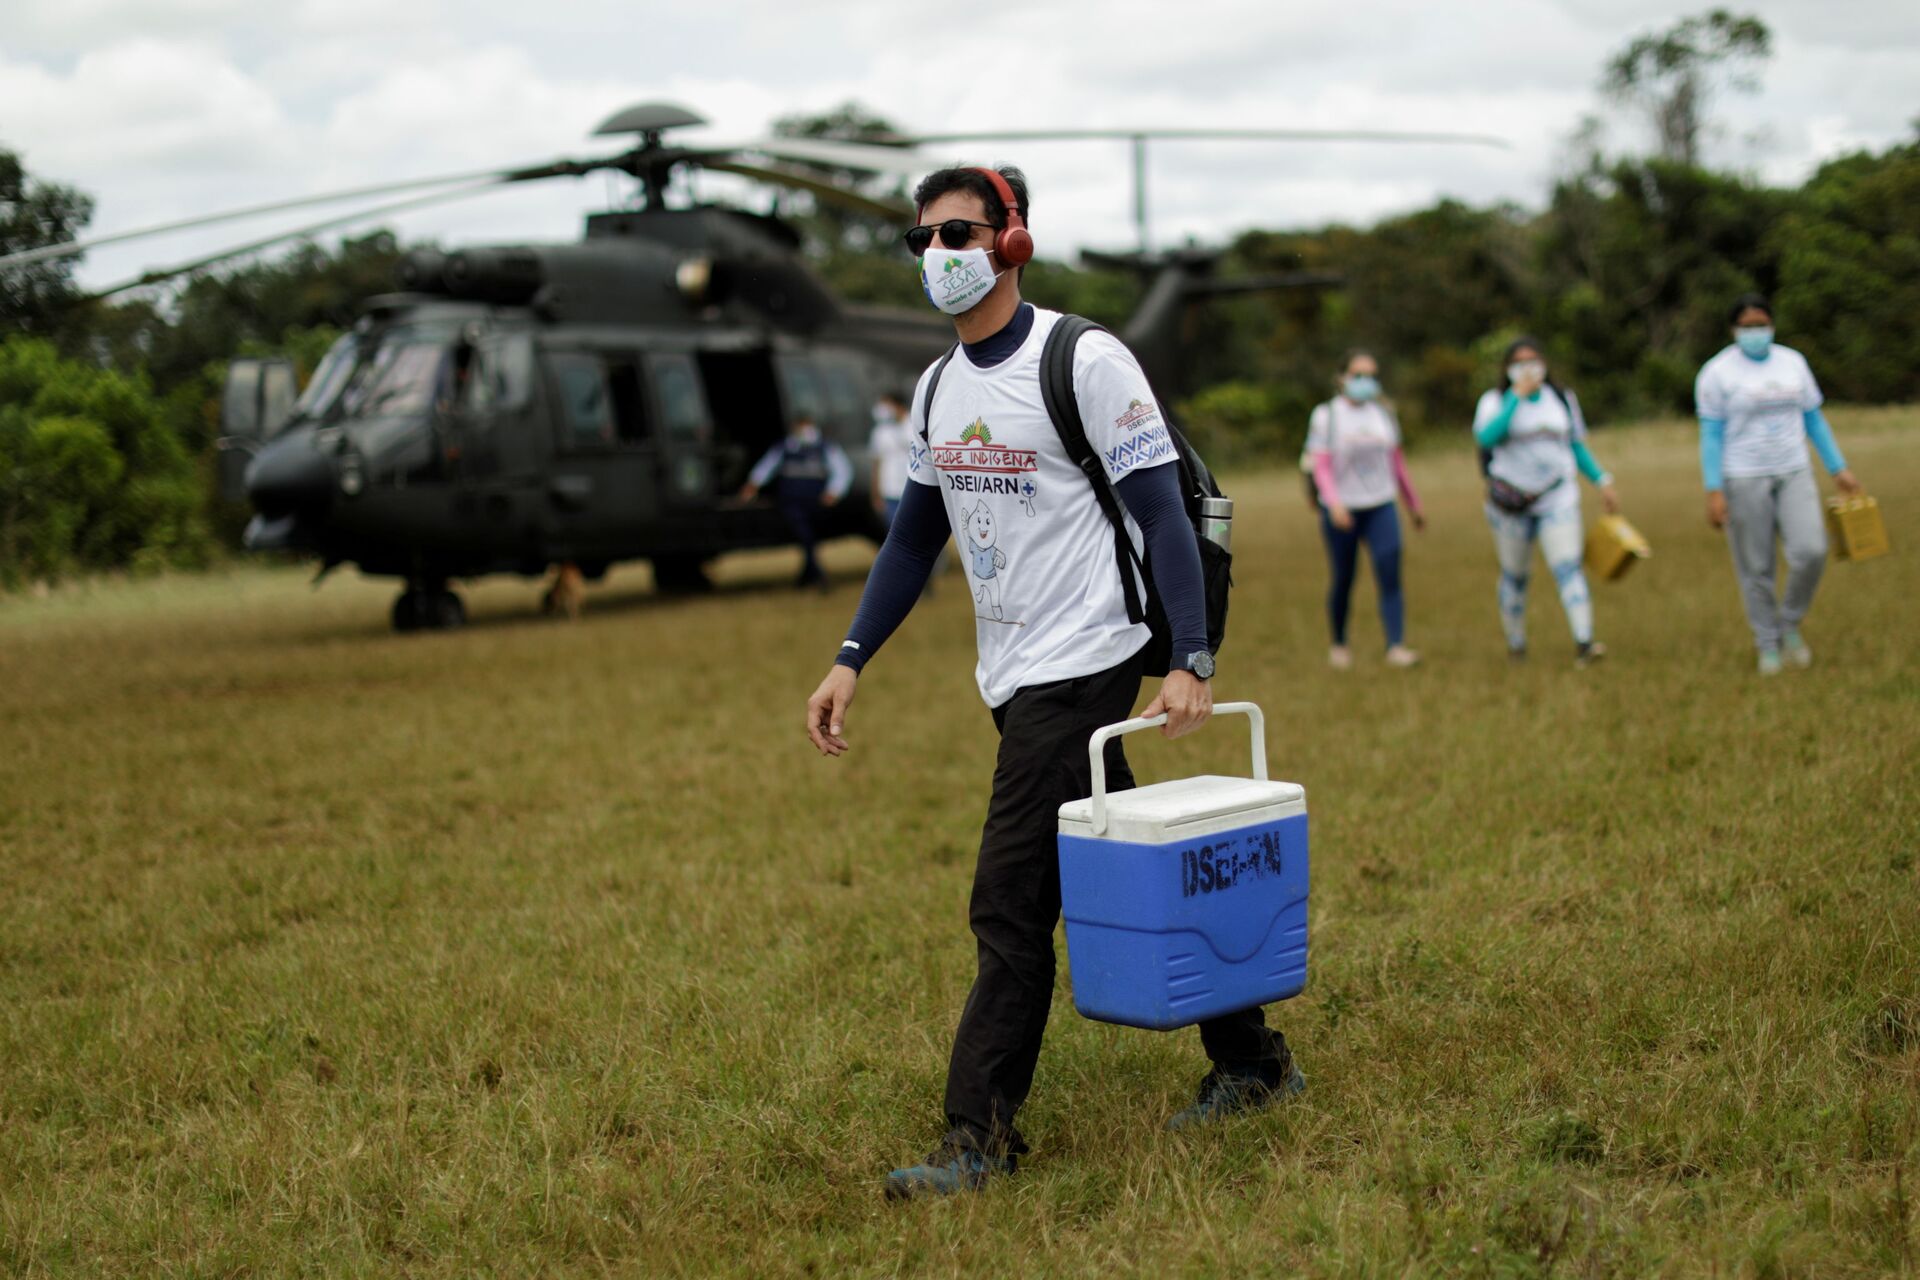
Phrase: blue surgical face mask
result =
(1361, 386)
(1755, 340)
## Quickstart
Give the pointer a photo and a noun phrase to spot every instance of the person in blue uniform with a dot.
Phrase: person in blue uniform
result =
(806, 472)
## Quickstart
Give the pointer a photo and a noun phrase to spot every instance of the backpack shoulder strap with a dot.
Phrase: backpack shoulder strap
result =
(1063, 407)
(933, 385)
(1574, 413)
(1057, 393)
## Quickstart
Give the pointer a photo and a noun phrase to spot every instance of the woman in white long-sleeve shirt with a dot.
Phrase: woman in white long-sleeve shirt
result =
(1759, 406)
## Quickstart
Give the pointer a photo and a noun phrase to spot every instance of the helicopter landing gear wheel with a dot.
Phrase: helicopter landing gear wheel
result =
(680, 575)
(446, 610)
(428, 609)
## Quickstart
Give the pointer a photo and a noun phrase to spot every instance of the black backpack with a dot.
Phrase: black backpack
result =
(1196, 483)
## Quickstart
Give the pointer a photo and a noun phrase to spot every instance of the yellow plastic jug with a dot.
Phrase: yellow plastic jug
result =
(1858, 532)
(1613, 546)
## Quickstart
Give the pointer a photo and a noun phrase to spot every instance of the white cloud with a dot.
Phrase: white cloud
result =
(144, 105)
(78, 23)
(476, 108)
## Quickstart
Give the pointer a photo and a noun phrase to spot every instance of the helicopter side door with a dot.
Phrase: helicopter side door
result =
(826, 384)
(850, 424)
(686, 432)
(602, 495)
(486, 422)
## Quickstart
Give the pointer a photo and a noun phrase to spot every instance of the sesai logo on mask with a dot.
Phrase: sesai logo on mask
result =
(956, 282)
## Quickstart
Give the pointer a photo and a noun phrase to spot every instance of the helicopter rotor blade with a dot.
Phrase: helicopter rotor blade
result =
(861, 156)
(1203, 135)
(67, 249)
(299, 233)
(1138, 138)
(842, 155)
(820, 188)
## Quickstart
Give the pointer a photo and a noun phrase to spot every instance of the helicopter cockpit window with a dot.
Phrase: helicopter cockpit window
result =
(586, 408)
(508, 363)
(497, 374)
(405, 379)
(330, 378)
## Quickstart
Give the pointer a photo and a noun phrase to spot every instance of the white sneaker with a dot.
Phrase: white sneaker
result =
(1796, 651)
(1769, 662)
(1403, 657)
(1340, 658)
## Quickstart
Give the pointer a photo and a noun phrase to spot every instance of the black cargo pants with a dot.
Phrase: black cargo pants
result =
(799, 501)
(1016, 903)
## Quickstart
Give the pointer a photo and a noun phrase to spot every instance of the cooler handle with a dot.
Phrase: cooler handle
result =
(1097, 749)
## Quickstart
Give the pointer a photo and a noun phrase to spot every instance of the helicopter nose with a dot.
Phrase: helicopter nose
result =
(288, 476)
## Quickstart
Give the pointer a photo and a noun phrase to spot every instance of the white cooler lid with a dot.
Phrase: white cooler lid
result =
(1185, 807)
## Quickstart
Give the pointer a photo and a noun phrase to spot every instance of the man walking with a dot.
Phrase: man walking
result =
(808, 472)
(1058, 657)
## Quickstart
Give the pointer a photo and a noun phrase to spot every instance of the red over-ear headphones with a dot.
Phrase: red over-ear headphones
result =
(1012, 244)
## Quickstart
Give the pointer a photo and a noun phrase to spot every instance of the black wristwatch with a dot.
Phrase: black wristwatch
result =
(1200, 663)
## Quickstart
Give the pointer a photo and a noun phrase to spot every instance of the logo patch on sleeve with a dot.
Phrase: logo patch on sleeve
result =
(1138, 411)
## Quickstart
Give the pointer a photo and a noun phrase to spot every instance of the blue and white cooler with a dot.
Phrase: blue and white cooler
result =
(1186, 899)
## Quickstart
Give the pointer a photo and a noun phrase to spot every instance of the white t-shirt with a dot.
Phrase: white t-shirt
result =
(1036, 549)
(1537, 454)
(1762, 403)
(890, 448)
(1361, 437)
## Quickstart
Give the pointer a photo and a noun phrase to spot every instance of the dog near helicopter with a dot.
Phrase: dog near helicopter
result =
(521, 408)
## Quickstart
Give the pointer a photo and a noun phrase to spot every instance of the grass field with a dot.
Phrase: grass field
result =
(548, 949)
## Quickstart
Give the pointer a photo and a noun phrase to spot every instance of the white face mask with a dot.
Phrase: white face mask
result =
(1527, 371)
(956, 279)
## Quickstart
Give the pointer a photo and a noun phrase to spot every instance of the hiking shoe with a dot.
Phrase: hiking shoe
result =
(948, 1169)
(1223, 1094)
(1589, 653)
(1769, 662)
(1340, 658)
(1402, 657)
(1516, 654)
(1796, 651)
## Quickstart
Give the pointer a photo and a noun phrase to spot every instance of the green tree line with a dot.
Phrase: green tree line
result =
(1626, 276)
(109, 414)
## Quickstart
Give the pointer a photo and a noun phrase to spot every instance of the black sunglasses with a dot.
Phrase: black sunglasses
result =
(954, 234)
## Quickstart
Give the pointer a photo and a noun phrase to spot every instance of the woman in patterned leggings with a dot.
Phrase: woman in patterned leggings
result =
(1533, 443)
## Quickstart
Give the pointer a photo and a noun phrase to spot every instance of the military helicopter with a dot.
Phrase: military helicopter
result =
(512, 408)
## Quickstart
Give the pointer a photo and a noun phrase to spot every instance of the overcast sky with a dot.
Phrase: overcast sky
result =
(166, 108)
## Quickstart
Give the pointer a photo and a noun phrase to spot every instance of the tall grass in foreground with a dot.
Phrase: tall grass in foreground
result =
(548, 949)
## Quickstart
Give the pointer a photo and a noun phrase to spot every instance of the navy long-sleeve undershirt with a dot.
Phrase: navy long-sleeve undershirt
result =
(920, 530)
